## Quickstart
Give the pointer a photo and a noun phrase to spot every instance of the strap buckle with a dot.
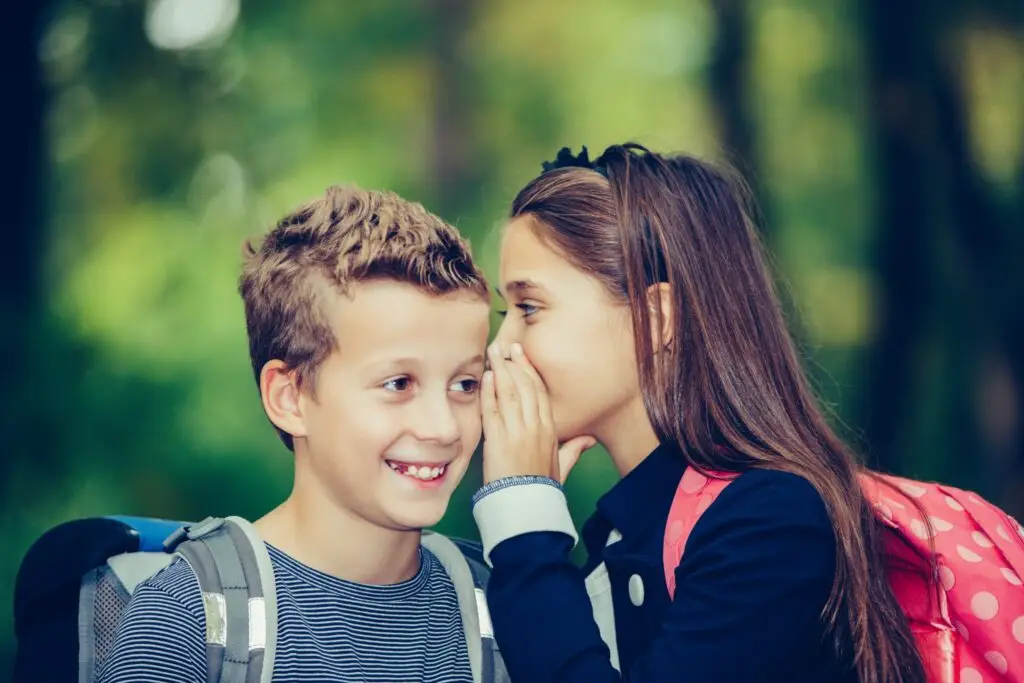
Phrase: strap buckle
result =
(193, 532)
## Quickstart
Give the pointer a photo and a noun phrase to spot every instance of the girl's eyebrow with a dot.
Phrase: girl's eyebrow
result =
(519, 286)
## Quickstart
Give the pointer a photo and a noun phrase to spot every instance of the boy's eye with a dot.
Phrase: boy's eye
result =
(466, 386)
(398, 385)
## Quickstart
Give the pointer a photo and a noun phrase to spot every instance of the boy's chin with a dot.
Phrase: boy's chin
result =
(418, 516)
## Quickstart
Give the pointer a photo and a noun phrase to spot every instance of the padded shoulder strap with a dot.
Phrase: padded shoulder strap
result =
(472, 596)
(459, 572)
(695, 494)
(267, 626)
(233, 568)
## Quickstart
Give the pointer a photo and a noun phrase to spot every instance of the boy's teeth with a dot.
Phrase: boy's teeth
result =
(423, 473)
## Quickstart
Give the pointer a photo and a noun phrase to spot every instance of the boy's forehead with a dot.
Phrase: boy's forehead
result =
(383, 319)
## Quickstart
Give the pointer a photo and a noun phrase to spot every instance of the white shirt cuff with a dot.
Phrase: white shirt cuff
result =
(520, 509)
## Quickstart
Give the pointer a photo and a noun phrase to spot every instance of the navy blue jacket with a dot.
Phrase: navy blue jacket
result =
(756, 574)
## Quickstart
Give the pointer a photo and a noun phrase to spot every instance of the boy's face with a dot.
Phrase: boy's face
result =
(396, 413)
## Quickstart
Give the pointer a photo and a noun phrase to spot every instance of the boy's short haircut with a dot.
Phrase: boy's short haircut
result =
(345, 237)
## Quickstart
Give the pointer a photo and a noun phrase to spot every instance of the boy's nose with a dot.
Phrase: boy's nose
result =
(436, 422)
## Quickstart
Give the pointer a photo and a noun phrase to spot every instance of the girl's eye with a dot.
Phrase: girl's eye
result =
(527, 309)
(466, 386)
(398, 385)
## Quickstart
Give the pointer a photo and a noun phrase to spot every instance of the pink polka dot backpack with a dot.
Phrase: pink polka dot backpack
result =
(969, 618)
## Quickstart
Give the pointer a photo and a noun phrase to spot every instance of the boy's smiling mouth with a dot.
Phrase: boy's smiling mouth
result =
(425, 472)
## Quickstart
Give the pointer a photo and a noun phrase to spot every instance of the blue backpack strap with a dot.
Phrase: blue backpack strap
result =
(236, 578)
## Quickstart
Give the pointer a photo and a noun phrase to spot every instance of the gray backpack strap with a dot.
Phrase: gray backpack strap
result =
(454, 563)
(493, 664)
(262, 614)
(233, 568)
(470, 579)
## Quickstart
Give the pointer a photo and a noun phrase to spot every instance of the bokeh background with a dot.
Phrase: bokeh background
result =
(144, 141)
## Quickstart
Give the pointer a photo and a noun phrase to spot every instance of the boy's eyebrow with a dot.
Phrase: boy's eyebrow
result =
(478, 358)
(398, 364)
(395, 364)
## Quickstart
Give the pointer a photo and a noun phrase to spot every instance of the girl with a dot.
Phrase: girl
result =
(642, 316)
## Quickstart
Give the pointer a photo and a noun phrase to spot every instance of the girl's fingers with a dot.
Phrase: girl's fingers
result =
(492, 422)
(527, 393)
(504, 388)
(540, 391)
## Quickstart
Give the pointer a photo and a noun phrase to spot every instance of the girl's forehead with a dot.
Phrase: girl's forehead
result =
(526, 259)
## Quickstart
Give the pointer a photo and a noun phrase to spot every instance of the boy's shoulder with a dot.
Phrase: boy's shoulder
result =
(178, 582)
(455, 554)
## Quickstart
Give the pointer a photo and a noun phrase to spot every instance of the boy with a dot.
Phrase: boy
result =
(367, 322)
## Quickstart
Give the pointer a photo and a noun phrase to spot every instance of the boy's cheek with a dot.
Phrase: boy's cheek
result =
(473, 427)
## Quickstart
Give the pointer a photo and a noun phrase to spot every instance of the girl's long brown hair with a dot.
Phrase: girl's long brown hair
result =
(729, 388)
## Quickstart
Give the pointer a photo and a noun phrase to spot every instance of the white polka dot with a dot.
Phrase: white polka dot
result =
(1018, 630)
(913, 490)
(693, 481)
(1010, 576)
(940, 524)
(981, 539)
(984, 605)
(1020, 531)
(895, 504)
(951, 502)
(704, 503)
(997, 661)
(947, 578)
(974, 499)
(885, 511)
(962, 629)
(1001, 530)
(966, 554)
(919, 528)
(970, 675)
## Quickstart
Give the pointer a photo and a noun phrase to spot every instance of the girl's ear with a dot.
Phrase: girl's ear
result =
(659, 308)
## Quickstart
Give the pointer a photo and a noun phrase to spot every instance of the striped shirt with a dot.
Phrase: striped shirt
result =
(328, 629)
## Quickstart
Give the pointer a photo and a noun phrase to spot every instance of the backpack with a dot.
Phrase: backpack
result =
(77, 578)
(968, 616)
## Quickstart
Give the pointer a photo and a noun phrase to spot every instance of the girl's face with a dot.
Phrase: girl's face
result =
(579, 339)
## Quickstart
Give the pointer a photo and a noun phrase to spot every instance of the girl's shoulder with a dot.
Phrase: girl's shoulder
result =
(768, 500)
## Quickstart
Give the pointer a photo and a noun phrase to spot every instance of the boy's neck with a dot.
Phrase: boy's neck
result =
(317, 532)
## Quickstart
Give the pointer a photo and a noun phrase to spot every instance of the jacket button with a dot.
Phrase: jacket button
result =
(636, 590)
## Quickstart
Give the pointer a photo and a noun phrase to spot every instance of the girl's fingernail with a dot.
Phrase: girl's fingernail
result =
(517, 349)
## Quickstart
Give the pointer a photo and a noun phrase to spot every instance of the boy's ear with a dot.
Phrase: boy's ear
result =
(279, 389)
(659, 310)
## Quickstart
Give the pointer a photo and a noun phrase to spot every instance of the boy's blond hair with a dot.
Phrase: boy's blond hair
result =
(327, 245)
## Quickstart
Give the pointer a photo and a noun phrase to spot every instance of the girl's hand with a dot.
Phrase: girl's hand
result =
(519, 433)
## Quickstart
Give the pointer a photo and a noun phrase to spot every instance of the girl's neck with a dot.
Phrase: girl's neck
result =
(628, 436)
